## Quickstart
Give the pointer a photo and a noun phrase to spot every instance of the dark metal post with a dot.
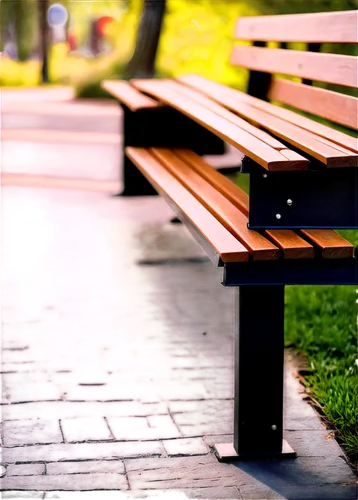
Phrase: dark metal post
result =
(259, 357)
(259, 82)
(259, 343)
(311, 47)
(134, 126)
(160, 127)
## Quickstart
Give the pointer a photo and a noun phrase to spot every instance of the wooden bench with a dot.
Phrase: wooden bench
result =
(303, 184)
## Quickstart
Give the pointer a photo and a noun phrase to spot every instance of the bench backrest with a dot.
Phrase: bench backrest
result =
(309, 65)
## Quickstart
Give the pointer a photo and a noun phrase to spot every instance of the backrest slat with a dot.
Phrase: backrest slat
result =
(338, 108)
(329, 68)
(327, 27)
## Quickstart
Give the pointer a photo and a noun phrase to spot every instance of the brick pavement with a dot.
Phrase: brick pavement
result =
(117, 360)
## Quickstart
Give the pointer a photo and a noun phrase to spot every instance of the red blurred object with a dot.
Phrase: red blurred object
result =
(102, 23)
(71, 40)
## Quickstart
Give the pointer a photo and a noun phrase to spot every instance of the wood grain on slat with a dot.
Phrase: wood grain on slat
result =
(325, 27)
(338, 108)
(292, 245)
(337, 147)
(236, 120)
(333, 246)
(226, 187)
(262, 153)
(234, 221)
(229, 97)
(225, 244)
(228, 115)
(330, 68)
(128, 95)
(302, 139)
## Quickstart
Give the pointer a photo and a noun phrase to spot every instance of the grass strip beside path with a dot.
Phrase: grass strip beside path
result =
(321, 322)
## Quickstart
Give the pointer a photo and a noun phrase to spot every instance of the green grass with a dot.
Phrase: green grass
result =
(321, 323)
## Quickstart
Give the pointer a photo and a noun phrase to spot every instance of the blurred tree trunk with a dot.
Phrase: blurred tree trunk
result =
(143, 60)
(43, 6)
(17, 24)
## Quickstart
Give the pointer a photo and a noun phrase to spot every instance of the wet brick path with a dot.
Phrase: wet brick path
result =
(117, 355)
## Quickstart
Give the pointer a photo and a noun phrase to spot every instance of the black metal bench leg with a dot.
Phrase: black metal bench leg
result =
(259, 358)
(164, 128)
(135, 126)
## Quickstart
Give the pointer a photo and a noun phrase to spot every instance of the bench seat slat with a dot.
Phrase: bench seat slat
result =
(220, 93)
(313, 145)
(128, 95)
(210, 202)
(320, 148)
(231, 117)
(327, 242)
(226, 245)
(225, 113)
(234, 221)
(333, 246)
(330, 68)
(292, 245)
(266, 156)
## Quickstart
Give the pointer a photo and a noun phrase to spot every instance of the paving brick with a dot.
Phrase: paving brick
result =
(95, 466)
(198, 418)
(85, 429)
(260, 492)
(180, 473)
(145, 375)
(218, 492)
(66, 482)
(70, 364)
(221, 492)
(29, 495)
(217, 439)
(313, 443)
(113, 364)
(179, 391)
(205, 429)
(136, 428)
(62, 409)
(212, 407)
(40, 391)
(11, 356)
(18, 367)
(25, 469)
(24, 377)
(82, 451)
(219, 389)
(90, 377)
(298, 409)
(21, 432)
(4, 394)
(206, 374)
(112, 393)
(14, 346)
(176, 447)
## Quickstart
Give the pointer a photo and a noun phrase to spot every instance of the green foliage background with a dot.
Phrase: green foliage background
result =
(197, 37)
